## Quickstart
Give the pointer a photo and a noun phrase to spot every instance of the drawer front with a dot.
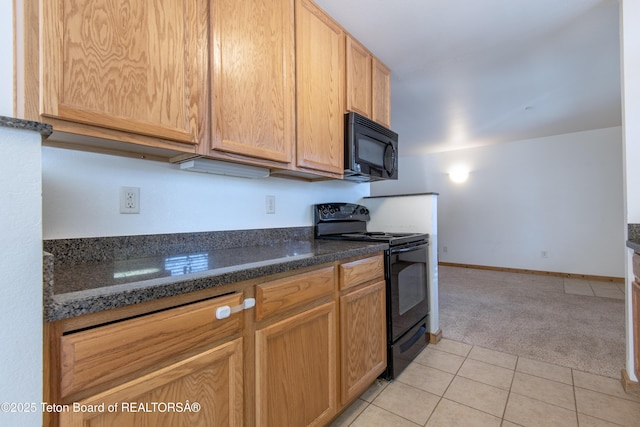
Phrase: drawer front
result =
(285, 294)
(636, 266)
(106, 353)
(361, 271)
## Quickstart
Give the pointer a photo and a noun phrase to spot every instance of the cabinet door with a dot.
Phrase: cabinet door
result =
(253, 82)
(381, 105)
(212, 380)
(319, 90)
(363, 353)
(358, 78)
(296, 370)
(137, 66)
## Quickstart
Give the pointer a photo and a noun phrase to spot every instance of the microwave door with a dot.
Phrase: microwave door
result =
(375, 157)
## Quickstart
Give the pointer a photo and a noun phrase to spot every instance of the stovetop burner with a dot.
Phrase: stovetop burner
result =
(347, 221)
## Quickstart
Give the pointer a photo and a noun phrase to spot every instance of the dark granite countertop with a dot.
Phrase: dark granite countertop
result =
(83, 282)
(10, 122)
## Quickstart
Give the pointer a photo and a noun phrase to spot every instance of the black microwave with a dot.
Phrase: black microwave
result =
(370, 150)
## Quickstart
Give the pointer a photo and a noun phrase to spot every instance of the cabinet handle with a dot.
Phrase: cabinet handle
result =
(226, 311)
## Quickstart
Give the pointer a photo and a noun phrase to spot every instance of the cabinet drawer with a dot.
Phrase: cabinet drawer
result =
(636, 266)
(281, 295)
(361, 271)
(105, 353)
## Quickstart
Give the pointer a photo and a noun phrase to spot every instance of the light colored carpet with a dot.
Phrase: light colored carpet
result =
(531, 316)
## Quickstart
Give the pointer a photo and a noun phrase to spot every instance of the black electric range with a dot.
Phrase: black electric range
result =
(406, 276)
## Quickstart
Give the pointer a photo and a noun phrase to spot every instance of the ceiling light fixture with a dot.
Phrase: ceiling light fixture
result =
(224, 168)
(459, 174)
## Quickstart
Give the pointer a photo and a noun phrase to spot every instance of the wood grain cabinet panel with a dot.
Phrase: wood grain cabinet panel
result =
(212, 379)
(381, 98)
(358, 78)
(363, 353)
(636, 266)
(134, 66)
(320, 67)
(285, 294)
(253, 78)
(363, 270)
(103, 354)
(635, 304)
(296, 369)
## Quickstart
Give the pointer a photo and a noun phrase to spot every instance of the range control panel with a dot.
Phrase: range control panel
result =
(340, 212)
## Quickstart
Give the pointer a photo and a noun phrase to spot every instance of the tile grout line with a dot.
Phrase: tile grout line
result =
(510, 392)
(449, 385)
(575, 398)
(513, 378)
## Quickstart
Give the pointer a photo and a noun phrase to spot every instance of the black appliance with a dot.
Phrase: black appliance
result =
(406, 278)
(370, 150)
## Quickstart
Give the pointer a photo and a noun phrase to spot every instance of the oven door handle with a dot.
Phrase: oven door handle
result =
(409, 249)
(406, 345)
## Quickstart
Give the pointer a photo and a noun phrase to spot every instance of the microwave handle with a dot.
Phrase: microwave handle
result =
(393, 160)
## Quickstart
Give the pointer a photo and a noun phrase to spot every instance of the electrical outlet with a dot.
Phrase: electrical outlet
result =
(445, 249)
(544, 254)
(270, 202)
(129, 200)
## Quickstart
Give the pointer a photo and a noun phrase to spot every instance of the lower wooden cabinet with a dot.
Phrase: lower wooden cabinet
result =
(203, 390)
(296, 369)
(314, 342)
(635, 308)
(636, 323)
(363, 337)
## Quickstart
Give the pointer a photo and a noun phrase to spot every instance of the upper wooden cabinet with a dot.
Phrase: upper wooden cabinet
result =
(122, 70)
(358, 78)
(381, 98)
(320, 59)
(260, 82)
(253, 78)
(368, 88)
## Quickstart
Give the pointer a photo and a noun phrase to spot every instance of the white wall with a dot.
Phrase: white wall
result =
(630, 33)
(21, 275)
(81, 197)
(631, 105)
(20, 251)
(561, 194)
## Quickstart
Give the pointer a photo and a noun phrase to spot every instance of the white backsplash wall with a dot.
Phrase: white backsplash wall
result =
(562, 195)
(81, 197)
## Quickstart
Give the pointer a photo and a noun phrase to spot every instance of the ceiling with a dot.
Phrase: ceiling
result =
(467, 73)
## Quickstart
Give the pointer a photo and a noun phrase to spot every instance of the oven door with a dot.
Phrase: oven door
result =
(408, 288)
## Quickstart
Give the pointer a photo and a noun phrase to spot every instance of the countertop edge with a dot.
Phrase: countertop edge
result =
(11, 122)
(64, 306)
(633, 245)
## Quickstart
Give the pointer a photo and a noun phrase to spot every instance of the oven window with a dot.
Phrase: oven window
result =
(411, 286)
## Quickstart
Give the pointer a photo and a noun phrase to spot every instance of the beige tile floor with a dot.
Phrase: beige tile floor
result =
(455, 384)
(594, 288)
